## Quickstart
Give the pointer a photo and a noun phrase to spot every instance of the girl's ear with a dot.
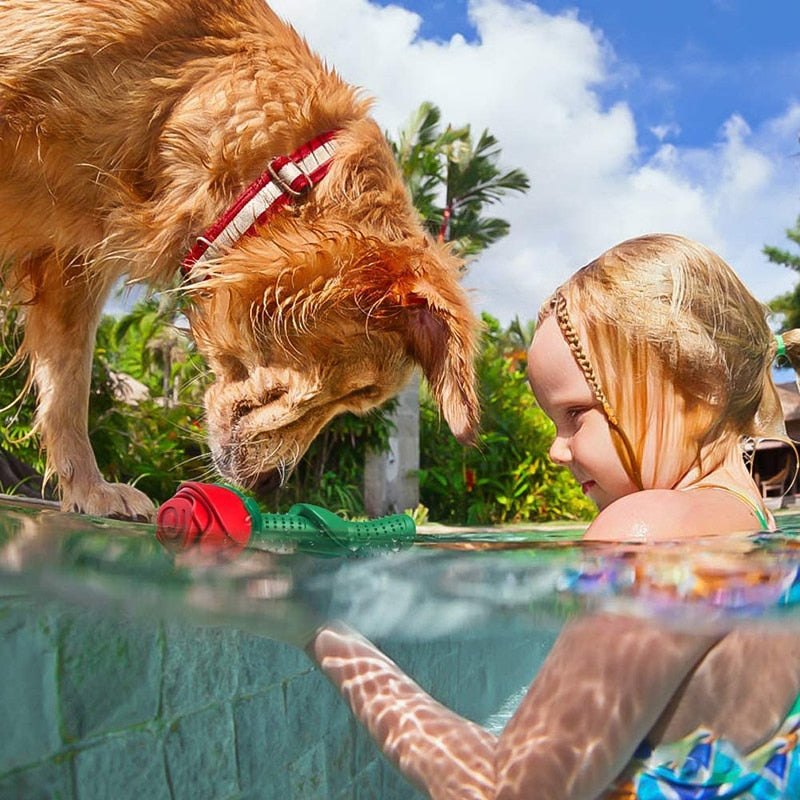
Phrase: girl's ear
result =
(440, 334)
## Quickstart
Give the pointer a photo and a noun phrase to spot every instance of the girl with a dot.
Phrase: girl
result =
(654, 362)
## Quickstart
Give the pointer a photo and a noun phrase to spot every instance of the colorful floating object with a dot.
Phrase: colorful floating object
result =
(217, 518)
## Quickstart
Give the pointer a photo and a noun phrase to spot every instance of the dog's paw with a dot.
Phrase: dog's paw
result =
(113, 500)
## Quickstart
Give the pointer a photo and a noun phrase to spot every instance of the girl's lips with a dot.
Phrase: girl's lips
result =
(587, 486)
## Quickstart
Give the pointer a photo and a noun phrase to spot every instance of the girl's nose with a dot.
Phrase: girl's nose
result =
(560, 452)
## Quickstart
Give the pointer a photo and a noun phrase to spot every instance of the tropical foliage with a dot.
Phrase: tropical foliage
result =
(787, 304)
(331, 473)
(452, 179)
(508, 477)
(150, 441)
(156, 440)
(146, 416)
(17, 446)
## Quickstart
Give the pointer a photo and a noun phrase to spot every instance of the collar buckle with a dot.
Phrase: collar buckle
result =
(290, 177)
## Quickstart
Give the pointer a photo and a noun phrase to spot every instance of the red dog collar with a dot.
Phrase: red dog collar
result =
(286, 179)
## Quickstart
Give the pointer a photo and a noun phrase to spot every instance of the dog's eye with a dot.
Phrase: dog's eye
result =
(365, 393)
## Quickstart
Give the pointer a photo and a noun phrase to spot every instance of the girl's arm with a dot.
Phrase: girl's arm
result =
(602, 687)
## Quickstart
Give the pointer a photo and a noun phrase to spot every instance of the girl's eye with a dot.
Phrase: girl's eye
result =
(577, 411)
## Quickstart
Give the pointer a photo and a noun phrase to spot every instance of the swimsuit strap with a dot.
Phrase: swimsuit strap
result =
(765, 519)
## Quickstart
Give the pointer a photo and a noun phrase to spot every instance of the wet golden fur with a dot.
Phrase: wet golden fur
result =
(126, 129)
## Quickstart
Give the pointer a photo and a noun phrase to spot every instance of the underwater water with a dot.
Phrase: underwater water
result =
(130, 667)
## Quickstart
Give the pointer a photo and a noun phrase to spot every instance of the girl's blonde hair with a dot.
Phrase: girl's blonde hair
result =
(676, 350)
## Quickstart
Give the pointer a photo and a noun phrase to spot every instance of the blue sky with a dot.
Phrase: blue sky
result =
(700, 59)
(686, 63)
(629, 117)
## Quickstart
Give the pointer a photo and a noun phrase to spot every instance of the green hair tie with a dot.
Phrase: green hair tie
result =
(781, 345)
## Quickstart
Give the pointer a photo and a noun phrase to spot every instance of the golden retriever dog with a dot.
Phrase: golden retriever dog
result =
(137, 136)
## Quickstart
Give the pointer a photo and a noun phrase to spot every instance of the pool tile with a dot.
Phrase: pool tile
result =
(109, 674)
(126, 767)
(200, 755)
(49, 781)
(27, 681)
(263, 750)
(200, 668)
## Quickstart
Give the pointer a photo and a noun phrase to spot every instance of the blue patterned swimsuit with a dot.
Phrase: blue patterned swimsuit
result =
(704, 767)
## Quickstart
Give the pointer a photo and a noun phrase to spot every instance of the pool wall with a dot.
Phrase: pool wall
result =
(96, 707)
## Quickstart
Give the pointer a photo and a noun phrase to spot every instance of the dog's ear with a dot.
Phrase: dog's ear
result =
(441, 336)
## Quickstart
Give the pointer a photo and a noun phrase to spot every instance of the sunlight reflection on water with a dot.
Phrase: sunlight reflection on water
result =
(457, 583)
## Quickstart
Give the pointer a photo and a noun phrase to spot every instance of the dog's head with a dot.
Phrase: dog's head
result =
(329, 309)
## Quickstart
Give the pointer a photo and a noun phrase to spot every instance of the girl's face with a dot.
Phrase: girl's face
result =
(583, 440)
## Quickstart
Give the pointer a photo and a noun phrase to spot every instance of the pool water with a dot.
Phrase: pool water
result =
(130, 670)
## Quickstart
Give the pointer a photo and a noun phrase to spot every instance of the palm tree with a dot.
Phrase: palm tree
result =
(419, 152)
(787, 304)
(474, 180)
(451, 180)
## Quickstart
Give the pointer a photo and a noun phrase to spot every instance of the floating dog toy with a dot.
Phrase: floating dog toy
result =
(218, 518)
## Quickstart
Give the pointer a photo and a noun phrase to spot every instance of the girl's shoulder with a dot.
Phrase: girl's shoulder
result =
(673, 514)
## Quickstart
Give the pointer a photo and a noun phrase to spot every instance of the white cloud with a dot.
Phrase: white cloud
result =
(662, 132)
(533, 78)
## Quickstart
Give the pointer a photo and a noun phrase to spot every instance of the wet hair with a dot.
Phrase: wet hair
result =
(676, 350)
